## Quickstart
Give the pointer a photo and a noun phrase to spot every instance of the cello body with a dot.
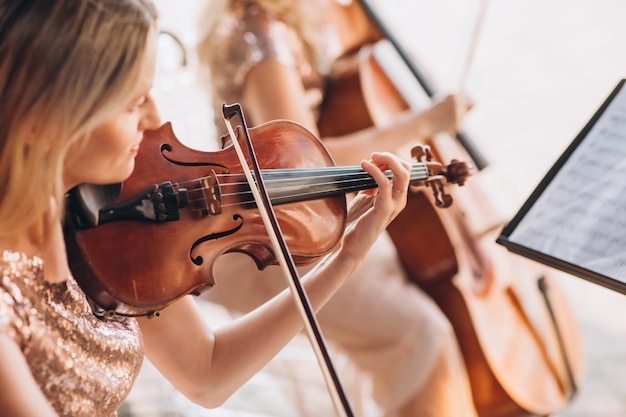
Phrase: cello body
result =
(513, 353)
(516, 330)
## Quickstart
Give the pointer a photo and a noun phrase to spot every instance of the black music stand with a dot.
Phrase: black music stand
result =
(575, 220)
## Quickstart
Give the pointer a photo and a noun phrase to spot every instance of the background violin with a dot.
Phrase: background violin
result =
(518, 335)
(160, 232)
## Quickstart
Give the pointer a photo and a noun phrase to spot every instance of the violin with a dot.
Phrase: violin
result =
(138, 246)
(517, 333)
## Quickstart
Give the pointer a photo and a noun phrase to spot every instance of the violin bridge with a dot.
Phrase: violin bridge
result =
(212, 199)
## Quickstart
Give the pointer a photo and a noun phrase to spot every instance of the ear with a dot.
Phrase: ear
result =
(33, 129)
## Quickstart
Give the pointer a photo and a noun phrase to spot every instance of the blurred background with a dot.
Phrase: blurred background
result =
(538, 70)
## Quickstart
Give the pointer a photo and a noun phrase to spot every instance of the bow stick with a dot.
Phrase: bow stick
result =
(469, 57)
(261, 197)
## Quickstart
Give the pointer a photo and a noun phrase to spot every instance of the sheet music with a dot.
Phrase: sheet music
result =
(580, 217)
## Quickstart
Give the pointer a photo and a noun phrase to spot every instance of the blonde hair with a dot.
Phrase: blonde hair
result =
(64, 65)
(303, 16)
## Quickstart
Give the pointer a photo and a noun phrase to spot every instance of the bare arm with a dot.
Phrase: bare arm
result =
(274, 91)
(209, 365)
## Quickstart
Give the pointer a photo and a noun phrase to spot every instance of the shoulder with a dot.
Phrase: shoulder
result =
(248, 35)
(249, 24)
(16, 269)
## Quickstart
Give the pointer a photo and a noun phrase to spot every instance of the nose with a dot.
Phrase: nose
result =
(150, 119)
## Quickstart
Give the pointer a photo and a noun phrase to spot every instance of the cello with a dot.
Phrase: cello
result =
(517, 333)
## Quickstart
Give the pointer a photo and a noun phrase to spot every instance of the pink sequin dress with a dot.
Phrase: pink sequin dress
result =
(84, 366)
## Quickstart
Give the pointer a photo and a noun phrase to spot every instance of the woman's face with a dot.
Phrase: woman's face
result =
(109, 155)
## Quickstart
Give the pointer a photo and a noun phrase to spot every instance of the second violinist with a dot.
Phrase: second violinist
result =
(273, 57)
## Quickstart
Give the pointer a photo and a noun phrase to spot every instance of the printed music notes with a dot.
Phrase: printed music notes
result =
(575, 220)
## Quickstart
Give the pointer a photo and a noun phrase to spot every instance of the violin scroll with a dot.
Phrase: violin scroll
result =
(455, 173)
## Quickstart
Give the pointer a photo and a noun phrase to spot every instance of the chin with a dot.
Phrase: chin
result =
(127, 170)
(118, 175)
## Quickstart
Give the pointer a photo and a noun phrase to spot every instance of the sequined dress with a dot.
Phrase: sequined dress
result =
(83, 365)
(247, 36)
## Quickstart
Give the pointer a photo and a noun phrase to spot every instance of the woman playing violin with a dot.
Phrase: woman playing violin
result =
(273, 57)
(75, 80)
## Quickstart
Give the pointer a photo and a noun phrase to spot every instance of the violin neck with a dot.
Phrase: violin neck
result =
(292, 185)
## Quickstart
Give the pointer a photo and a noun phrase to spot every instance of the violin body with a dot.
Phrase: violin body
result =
(134, 267)
(521, 345)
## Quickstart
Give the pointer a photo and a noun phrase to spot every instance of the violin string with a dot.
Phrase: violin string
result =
(355, 183)
(419, 171)
(356, 186)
